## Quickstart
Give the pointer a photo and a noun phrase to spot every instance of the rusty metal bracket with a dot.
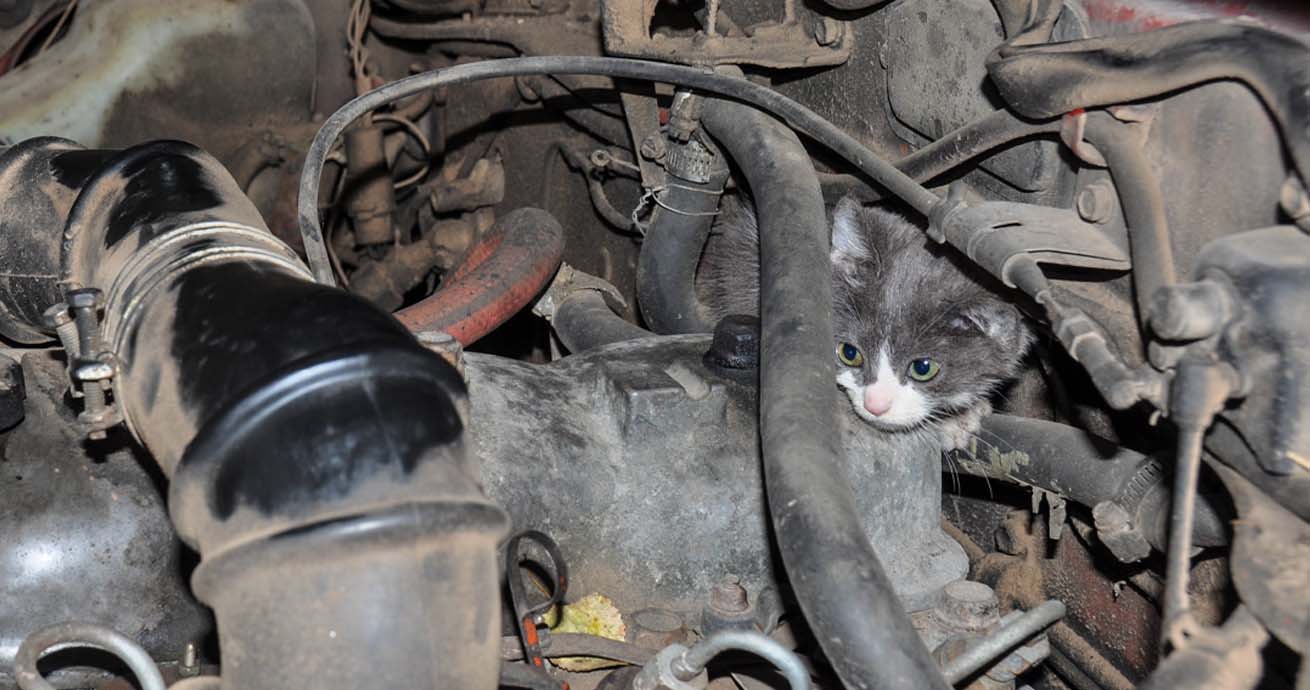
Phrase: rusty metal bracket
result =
(788, 43)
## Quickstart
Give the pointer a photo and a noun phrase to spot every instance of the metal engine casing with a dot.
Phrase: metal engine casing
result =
(644, 464)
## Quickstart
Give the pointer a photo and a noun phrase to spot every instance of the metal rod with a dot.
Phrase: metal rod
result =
(978, 656)
(1179, 554)
(788, 664)
(66, 635)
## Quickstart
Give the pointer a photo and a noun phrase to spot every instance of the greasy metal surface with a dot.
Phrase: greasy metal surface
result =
(86, 535)
(644, 466)
(202, 71)
(816, 41)
(933, 53)
(1271, 556)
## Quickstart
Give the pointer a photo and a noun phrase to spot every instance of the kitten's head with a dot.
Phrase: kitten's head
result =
(919, 335)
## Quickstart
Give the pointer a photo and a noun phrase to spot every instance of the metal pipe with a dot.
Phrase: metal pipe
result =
(65, 635)
(1001, 642)
(838, 579)
(791, 667)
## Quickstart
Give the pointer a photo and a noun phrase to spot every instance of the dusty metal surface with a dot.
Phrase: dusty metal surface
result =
(86, 534)
(641, 458)
(638, 435)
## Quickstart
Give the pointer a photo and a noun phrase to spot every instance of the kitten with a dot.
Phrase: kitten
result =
(922, 336)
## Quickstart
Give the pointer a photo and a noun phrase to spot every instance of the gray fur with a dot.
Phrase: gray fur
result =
(890, 284)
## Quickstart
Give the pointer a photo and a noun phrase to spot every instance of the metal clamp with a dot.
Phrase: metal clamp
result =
(91, 368)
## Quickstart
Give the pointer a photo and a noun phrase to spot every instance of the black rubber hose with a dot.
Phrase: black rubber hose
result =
(1044, 81)
(838, 579)
(1085, 469)
(583, 321)
(801, 118)
(666, 267)
(1143, 207)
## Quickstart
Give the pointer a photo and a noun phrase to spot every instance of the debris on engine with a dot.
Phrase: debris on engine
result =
(658, 345)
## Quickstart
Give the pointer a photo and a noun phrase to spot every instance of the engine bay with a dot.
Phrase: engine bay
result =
(654, 344)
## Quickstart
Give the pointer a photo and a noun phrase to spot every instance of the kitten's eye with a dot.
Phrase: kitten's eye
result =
(924, 369)
(849, 355)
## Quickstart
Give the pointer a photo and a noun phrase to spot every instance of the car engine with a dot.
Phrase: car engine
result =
(366, 344)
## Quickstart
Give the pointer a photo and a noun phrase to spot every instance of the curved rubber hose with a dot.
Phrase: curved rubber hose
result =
(584, 321)
(1143, 207)
(502, 274)
(82, 635)
(670, 254)
(897, 183)
(838, 579)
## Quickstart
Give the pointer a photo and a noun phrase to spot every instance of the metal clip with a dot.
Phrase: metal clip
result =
(92, 370)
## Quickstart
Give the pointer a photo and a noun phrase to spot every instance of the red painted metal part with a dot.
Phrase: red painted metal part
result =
(501, 275)
(1144, 15)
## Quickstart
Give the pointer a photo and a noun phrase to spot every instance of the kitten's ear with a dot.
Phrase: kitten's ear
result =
(848, 244)
(999, 321)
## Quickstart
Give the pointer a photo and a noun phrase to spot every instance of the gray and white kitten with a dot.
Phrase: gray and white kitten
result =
(922, 337)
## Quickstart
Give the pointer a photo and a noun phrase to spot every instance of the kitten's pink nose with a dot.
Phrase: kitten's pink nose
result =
(877, 402)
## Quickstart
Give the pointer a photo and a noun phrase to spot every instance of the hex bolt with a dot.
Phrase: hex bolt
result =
(729, 597)
(1096, 202)
(85, 305)
(969, 605)
(58, 319)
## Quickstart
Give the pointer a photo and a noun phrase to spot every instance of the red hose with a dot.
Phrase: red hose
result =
(501, 275)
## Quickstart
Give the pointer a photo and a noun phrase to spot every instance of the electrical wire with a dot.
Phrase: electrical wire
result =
(59, 26)
(413, 130)
(793, 113)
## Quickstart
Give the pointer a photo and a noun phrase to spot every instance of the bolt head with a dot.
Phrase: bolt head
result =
(84, 298)
(1096, 202)
(729, 597)
(93, 370)
(56, 316)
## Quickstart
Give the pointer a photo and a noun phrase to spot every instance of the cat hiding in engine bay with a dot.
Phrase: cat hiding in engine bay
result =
(922, 337)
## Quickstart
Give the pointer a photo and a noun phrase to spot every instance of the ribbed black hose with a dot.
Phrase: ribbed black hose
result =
(837, 577)
(801, 118)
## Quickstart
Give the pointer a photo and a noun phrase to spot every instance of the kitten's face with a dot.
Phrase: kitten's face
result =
(917, 339)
